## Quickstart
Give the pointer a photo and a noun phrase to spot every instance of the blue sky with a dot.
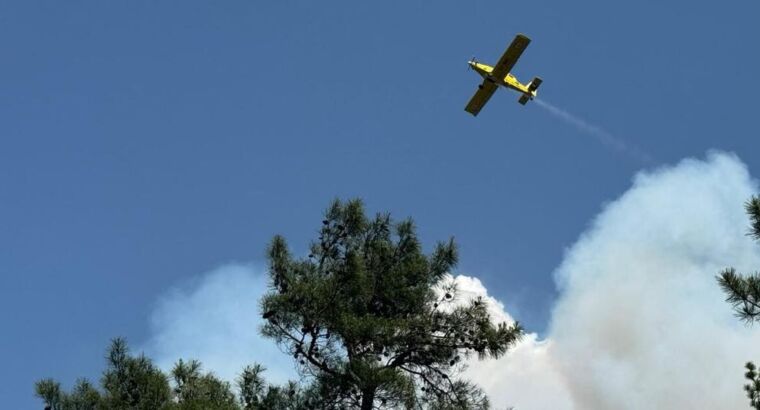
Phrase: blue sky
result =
(143, 143)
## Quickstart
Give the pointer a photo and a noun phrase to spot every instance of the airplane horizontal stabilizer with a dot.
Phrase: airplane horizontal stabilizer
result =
(524, 99)
(533, 86)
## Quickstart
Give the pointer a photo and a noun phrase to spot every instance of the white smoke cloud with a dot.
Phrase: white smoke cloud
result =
(470, 288)
(640, 321)
(215, 318)
(526, 374)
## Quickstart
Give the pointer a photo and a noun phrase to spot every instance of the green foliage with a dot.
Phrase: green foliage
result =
(196, 391)
(753, 209)
(472, 398)
(371, 320)
(133, 383)
(82, 397)
(50, 391)
(252, 387)
(753, 387)
(255, 394)
(743, 292)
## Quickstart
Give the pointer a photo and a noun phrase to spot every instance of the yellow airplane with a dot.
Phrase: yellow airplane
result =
(500, 75)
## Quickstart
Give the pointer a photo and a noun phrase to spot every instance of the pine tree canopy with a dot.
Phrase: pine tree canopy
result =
(134, 382)
(743, 292)
(373, 320)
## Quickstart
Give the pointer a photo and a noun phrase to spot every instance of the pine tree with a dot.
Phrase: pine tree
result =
(256, 394)
(753, 387)
(134, 382)
(371, 319)
(743, 293)
(82, 397)
(194, 390)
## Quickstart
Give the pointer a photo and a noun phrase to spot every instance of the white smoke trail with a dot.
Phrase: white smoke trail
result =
(600, 134)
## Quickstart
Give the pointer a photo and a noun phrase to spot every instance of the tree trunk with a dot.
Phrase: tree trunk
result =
(368, 398)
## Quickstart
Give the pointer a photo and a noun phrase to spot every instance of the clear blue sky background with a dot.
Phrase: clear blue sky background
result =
(145, 142)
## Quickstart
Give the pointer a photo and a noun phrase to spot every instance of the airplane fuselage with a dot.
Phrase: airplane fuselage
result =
(501, 75)
(509, 81)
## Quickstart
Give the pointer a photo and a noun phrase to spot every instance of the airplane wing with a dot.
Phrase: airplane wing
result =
(510, 57)
(481, 97)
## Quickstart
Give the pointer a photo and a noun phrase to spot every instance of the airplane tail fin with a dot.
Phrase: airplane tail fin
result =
(532, 87)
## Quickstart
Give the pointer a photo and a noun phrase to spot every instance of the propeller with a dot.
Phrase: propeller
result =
(472, 60)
